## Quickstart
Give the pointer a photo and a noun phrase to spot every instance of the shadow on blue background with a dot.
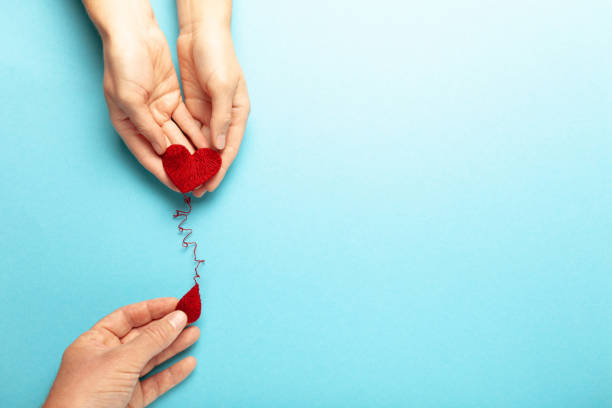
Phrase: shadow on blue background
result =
(419, 214)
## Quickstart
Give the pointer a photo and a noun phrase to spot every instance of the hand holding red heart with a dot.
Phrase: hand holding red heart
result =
(213, 83)
(142, 90)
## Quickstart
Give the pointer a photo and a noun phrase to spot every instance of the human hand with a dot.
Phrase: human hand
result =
(140, 83)
(213, 83)
(103, 367)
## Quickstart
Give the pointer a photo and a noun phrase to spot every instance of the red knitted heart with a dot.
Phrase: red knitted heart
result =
(188, 171)
(191, 304)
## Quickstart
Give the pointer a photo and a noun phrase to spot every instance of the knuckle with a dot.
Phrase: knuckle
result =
(166, 380)
(144, 131)
(164, 107)
(221, 85)
(156, 387)
(68, 354)
(157, 333)
(107, 88)
(75, 350)
(223, 118)
(107, 83)
(230, 150)
(163, 115)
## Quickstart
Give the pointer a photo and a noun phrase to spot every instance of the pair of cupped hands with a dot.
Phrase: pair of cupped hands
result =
(142, 90)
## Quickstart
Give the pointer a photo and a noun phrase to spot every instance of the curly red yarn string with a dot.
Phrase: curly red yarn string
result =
(188, 171)
(185, 214)
(190, 303)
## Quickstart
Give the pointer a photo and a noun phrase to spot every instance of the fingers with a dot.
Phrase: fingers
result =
(156, 123)
(155, 337)
(124, 319)
(185, 340)
(176, 136)
(222, 96)
(146, 125)
(190, 126)
(201, 109)
(138, 144)
(234, 136)
(199, 192)
(147, 157)
(161, 382)
(229, 112)
(163, 109)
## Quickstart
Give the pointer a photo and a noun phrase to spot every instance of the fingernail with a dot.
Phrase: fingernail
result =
(221, 141)
(178, 319)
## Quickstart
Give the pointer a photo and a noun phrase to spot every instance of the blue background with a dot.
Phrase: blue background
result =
(420, 214)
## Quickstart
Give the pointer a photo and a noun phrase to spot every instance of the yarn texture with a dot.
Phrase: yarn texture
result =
(188, 171)
(191, 304)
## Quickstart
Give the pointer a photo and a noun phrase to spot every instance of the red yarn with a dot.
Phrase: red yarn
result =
(185, 214)
(191, 304)
(188, 171)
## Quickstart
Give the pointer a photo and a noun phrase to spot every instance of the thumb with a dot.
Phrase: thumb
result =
(156, 336)
(221, 115)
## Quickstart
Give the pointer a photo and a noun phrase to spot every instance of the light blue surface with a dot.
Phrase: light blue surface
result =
(420, 214)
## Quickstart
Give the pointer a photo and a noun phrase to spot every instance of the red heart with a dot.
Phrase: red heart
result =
(188, 171)
(191, 304)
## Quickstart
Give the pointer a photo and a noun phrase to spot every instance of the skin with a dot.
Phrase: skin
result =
(141, 86)
(104, 366)
(214, 85)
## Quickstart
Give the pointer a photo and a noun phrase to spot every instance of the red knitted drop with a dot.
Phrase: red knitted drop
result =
(191, 304)
(188, 171)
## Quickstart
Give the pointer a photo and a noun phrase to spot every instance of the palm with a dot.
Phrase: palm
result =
(215, 93)
(144, 100)
(204, 63)
(126, 389)
(197, 98)
(144, 75)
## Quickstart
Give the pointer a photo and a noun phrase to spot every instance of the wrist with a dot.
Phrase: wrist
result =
(206, 29)
(204, 16)
(118, 18)
(54, 401)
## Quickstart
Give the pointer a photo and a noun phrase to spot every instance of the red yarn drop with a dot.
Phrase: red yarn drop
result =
(191, 304)
(188, 171)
